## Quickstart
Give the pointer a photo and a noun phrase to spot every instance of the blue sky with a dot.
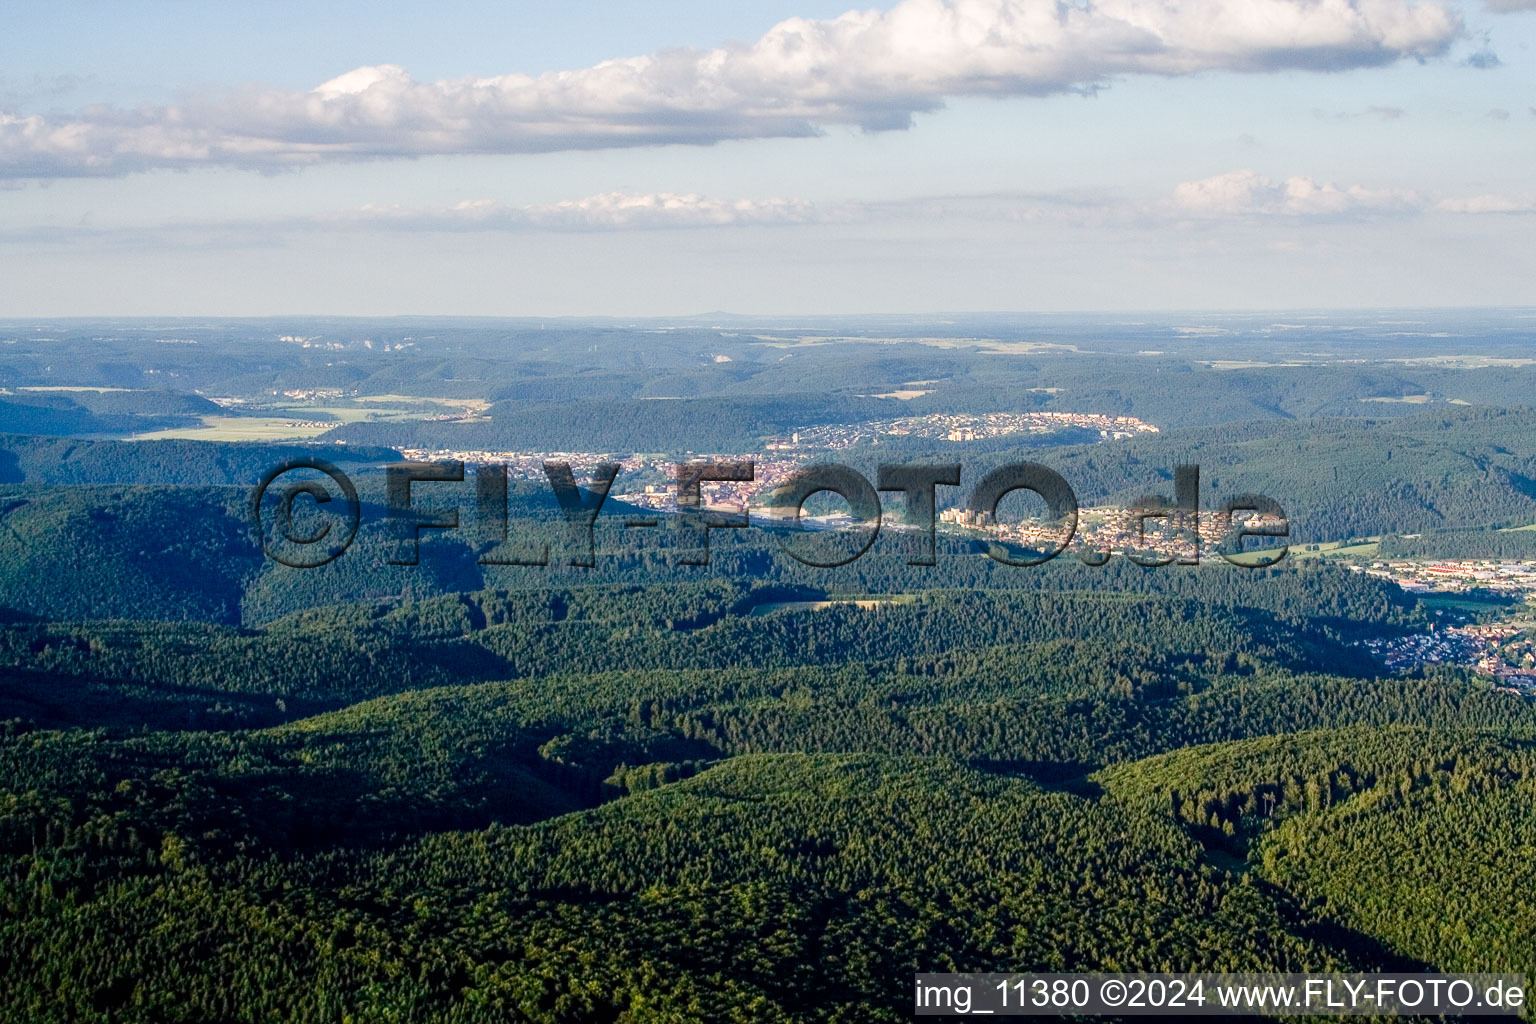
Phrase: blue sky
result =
(177, 158)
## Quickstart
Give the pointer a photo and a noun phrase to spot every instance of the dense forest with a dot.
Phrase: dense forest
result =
(719, 801)
(235, 791)
(1172, 370)
(1506, 544)
(64, 460)
(189, 553)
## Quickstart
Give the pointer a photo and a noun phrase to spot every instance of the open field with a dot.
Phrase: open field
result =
(1469, 361)
(1240, 364)
(65, 387)
(815, 606)
(240, 428)
(994, 346)
(309, 421)
(1366, 548)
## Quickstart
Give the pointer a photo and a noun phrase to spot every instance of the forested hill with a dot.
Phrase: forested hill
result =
(87, 411)
(1300, 621)
(662, 424)
(190, 553)
(61, 460)
(1171, 369)
(712, 802)
(1467, 469)
(471, 791)
(1374, 825)
(1453, 467)
(1462, 467)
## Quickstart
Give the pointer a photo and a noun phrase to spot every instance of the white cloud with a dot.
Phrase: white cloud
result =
(1486, 204)
(610, 211)
(607, 212)
(872, 69)
(1241, 194)
(1247, 193)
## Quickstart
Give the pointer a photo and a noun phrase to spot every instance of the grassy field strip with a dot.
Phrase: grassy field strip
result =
(239, 428)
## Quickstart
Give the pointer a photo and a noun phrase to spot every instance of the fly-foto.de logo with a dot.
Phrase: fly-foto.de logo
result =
(306, 513)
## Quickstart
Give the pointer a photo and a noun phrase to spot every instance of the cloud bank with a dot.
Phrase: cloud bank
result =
(1239, 196)
(869, 69)
(610, 211)
(1246, 193)
(1486, 204)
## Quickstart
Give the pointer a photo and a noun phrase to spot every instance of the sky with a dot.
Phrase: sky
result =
(786, 157)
